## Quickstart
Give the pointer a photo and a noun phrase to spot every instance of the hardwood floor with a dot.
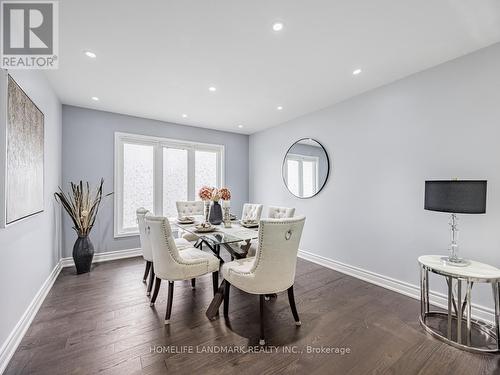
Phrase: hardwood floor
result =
(102, 323)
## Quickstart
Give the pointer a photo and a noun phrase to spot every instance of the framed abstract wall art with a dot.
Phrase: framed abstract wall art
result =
(22, 141)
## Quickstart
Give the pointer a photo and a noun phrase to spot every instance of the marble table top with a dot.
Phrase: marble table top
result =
(475, 270)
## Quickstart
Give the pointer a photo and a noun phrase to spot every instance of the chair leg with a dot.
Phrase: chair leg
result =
(146, 271)
(169, 301)
(291, 299)
(262, 341)
(193, 283)
(215, 281)
(227, 287)
(155, 292)
(151, 279)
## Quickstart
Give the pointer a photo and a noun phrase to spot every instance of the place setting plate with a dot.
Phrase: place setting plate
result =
(201, 228)
(185, 220)
(249, 223)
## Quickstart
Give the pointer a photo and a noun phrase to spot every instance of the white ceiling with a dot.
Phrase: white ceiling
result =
(156, 59)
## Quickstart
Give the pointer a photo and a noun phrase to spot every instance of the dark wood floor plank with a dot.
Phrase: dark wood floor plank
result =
(101, 322)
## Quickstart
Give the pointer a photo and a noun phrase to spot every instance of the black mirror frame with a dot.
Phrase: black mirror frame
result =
(327, 162)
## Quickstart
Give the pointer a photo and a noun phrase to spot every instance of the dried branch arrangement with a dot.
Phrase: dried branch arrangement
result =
(82, 205)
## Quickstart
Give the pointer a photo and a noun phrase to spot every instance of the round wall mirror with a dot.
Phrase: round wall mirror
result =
(305, 168)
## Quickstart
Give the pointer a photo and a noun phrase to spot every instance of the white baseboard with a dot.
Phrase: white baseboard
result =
(107, 256)
(10, 345)
(479, 312)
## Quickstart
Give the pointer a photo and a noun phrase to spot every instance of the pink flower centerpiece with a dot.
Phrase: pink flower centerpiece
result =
(205, 193)
(209, 193)
(225, 194)
(215, 195)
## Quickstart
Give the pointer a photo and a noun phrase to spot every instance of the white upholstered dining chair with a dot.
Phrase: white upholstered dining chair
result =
(251, 211)
(272, 270)
(147, 252)
(274, 212)
(189, 208)
(174, 265)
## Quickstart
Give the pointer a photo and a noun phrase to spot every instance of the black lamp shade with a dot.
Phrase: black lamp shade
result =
(459, 197)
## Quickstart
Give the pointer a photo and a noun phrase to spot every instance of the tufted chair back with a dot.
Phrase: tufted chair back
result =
(251, 211)
(276, 257)
(147, 253)
(189, 208)
(280, 212)
(166, 257)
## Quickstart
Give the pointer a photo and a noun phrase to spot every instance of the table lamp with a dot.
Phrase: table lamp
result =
(456, 197)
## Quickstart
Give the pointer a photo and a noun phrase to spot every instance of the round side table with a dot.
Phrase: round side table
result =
(451, 327)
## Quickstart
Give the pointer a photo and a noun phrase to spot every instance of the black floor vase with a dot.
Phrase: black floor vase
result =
(83, 253)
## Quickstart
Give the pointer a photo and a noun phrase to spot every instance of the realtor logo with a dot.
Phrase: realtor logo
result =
(30, 34)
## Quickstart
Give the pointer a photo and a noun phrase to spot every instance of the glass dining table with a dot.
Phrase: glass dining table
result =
(229, 239)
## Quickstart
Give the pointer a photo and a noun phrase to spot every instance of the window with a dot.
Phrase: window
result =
(302, 174)
(175, 178)
(138, 180)
(154, 173)
(205, 169)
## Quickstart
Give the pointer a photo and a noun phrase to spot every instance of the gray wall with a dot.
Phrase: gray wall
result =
(88, 153)
(438, 124)
(30, 249)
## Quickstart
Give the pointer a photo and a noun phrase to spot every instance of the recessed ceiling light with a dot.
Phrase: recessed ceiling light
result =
(278, 26)
(240, 126)
(184, 115)
(356, 72)
(212, 88)
(279, 108)
(95, 98)
(90, 54)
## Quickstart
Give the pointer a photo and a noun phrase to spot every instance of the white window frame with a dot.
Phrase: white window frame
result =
(158, 144)
(302, 158)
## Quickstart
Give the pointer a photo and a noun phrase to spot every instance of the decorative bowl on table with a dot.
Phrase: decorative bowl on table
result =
(249, 223)
(185, 220)
(205, 228)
